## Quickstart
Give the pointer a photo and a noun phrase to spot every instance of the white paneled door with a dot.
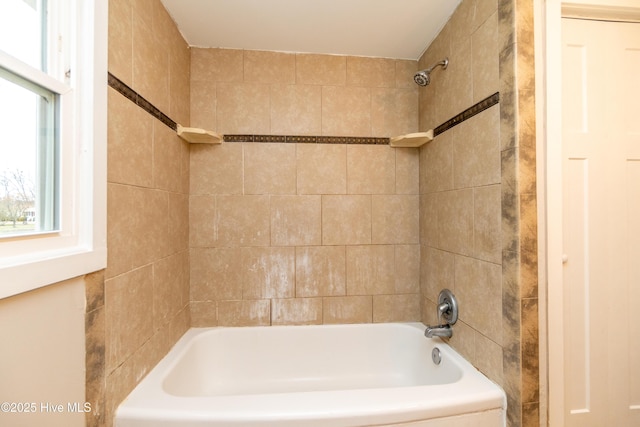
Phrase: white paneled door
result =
(601, 222)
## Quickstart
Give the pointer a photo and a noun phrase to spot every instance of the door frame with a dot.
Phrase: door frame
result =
(548, 57)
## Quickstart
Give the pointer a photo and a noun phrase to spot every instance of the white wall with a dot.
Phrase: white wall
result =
(42, 355)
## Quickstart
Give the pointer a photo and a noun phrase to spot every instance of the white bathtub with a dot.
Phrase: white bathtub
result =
(336, 375)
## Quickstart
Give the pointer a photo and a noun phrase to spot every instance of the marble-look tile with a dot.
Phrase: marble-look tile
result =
(243, 108)
(95, 361)
(456, 91)
(512, 368)
(370, 270)
(168, 149)
(128, 315)
(130, 142)
(393, 111)
(479, 289)
(407, 171)
(395, 219)
(137, 227)
(244, 313)
(170, 288)
(217, 65)
(531, 414)
(490, 361)
(371, 72)
(238, 221)
(346, 111)
(438, 271)
(371, 169)
(485, 60)
(216, 169)
(508, 98)
(322, 70)
(320, 271)
(296, 220)
(296, 311)
(487, 223)
(216, 274)
(405, 69)
(296, 109)
(455, 221)
(463, 338)
(407, 269)
(429, 228)
(202, 107)
(321, 168)
(268, 272)
(476, 150)
(94, 289)
(436, 164)
(120, 40)
(150, 64)
(269, 168)
(204, 314)
(530, 352)
(346, 220)
(347, 309)
(529, 274)
(511, 319)
(396, 308)
(269, 67)
(510, 201)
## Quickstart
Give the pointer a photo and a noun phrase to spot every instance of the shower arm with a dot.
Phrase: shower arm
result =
(444, 63)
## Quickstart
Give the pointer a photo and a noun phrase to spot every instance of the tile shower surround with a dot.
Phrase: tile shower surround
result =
(519, 306)
(140, 101)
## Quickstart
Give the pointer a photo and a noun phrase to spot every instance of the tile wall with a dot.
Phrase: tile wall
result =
(477, 195)
(287, 233)
(139, 306)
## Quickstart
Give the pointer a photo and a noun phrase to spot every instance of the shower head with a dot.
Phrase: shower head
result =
(423, 77)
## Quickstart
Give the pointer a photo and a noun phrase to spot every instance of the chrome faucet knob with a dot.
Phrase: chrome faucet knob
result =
(447, 307)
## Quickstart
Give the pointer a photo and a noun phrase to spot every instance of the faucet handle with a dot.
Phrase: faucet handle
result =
(447, 307)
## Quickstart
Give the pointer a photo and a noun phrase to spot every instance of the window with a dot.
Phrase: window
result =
(53, 144)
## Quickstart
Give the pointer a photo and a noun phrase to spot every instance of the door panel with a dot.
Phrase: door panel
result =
(601, 222)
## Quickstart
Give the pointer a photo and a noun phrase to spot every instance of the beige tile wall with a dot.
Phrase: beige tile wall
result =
(290, 246)
(473, 235)
(303, 233)
(139, 306)
(258, 92)
(460, 183)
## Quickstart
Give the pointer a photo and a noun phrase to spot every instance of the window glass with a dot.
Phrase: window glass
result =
(23, 31)
(28, 160)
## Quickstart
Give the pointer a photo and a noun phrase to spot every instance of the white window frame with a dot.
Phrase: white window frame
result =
(79, 247)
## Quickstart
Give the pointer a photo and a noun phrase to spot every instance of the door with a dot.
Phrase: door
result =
(601, 222)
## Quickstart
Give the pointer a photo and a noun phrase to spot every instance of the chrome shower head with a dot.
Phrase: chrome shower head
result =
(423, 77)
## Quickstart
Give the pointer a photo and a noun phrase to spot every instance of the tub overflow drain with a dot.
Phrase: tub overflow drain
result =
(435, 356)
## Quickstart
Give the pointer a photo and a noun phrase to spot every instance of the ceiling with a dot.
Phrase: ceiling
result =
(400, 29)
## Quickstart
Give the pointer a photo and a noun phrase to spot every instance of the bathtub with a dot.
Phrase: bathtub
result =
(311, 376)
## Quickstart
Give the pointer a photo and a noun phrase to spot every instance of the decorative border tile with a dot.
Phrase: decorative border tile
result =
(137, 99)
(307, 139)
(488, 102)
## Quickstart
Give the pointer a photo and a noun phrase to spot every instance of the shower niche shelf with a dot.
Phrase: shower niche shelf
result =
(198, 136)
(411, 139)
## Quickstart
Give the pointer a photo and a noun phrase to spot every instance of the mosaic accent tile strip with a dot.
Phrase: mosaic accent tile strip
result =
(137, 99)
(307, 139)
(486, 103)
